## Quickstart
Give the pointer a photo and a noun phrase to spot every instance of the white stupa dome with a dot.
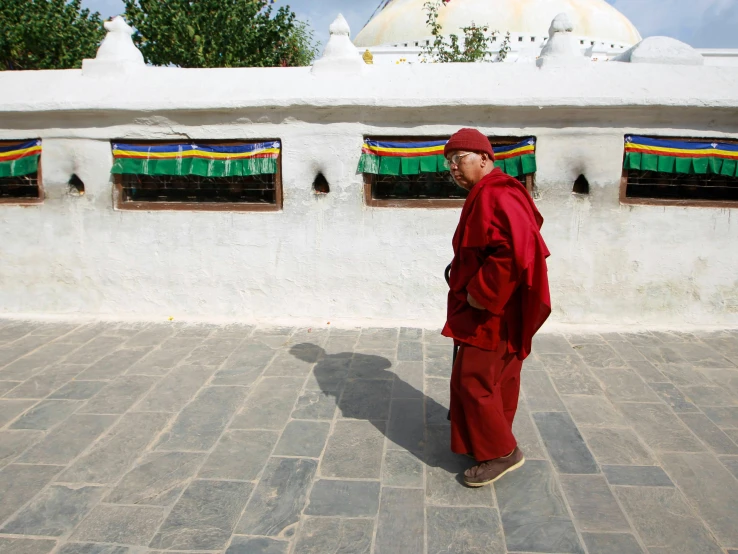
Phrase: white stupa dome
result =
(403, 21)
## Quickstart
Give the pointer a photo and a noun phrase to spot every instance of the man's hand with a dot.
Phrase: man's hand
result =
(473, 302)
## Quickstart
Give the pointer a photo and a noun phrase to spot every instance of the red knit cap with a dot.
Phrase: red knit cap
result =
(469, 140)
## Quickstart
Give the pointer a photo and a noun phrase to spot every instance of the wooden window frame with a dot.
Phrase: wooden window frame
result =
(686, 203)
(36, 200)
(147, 205)
(429, 203)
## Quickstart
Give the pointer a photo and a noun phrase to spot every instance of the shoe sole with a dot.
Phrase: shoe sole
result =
(485, 483)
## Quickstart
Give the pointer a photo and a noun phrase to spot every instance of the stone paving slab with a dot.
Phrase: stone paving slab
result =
(135, 437)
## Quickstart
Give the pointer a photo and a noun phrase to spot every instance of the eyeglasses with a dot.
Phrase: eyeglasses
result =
(456, 158)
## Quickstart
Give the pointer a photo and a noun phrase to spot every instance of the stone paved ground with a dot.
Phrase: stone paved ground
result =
(118, 439)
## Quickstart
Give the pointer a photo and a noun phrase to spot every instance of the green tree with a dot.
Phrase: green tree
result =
(47, 34)
(477, 44)
(219, 33)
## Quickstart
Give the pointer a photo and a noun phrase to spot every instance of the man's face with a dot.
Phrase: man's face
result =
(467, 168)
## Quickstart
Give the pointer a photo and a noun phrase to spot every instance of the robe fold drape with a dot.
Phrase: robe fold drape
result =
(500, 258)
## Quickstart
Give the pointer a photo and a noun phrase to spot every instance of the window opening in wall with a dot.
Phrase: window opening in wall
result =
(520, 39)
(412, 172)
(680, 171)
(204, 175)
(20, 172)
(320, 184)
(581, 185)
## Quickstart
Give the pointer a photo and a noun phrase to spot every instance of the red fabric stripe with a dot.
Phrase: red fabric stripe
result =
(507, 156)
(124, 156)
(401, 155)
(10, 157)
(694, 154)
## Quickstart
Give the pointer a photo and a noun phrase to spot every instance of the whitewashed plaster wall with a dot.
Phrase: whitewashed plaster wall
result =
(331, 258)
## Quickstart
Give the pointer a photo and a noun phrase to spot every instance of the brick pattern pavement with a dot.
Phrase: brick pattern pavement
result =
(127, 438)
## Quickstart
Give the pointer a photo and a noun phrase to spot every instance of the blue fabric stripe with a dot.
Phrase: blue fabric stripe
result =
(384, 144)
(667, 143)
(23, 146)
(429, 144)
(186, 147)
(507, 148)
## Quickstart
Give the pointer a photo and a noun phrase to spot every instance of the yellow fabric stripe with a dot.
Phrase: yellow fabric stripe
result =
(24, 152)
(194, 154)
(439, 150)
(431, 150)
(661, 149)
(522, 150)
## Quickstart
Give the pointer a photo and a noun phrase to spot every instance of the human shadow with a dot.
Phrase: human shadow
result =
(364, 388)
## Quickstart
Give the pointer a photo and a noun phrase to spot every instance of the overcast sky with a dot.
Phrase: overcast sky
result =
(701, 23)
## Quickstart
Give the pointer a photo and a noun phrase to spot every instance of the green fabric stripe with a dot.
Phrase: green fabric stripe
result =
(715, 165)
(666, 164)
(518, 166)
(429, 164)
(392, 165)
(686, 166)
(633, 160)
(649, 162)
(196, 166)
(410, 166)
(18, 168)
(514, 167)
(700, 165)
(529, 164)
(389, 166)
(369, 164)
(729, 168)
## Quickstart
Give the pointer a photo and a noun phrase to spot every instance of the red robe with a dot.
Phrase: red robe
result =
(500, 258)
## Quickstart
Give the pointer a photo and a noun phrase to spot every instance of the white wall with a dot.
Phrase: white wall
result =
(331, 258)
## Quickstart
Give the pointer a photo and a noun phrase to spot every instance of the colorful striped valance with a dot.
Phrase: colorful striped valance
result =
(18, 159)
(411, 158)
(517, 159)
(675, 156)
(197, 159)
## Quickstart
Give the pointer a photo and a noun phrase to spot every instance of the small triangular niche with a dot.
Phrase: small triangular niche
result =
(581, 185)
(76, 184)
(320, 184)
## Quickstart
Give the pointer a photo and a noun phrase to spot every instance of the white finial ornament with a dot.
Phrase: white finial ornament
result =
(561, 47)
(340, 26)
(340, 54)
(117, 53)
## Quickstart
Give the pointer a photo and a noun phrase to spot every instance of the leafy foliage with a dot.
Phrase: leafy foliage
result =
(47, 34)
(476, 46)
(219, 33)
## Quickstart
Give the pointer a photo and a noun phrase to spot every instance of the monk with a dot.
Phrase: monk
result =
(499, 298)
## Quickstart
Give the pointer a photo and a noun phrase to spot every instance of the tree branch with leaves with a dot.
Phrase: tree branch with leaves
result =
(477, 44)
(219, 33)
(47, 34)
